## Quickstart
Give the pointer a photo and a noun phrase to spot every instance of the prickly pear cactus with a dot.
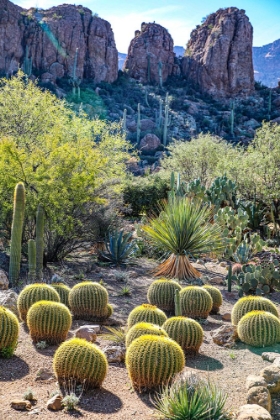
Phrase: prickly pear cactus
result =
(49, 321)
(34, 293)
(216, 297)
(195, 190)
(196, 302)
(63, 292)
(152, 361)
(143, 328)
(187, 332)
(81, 361)
(9, 331)
(146, 313)
(89, 301)
(259, 329)
(161, 293)
(249, 304)
(222, 193)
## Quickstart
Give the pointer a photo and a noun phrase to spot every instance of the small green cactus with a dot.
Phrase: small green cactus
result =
(259, 329)
(49, 321)
(161, 293)
(34, 293)
(143, 328)
(152, 361)
(9, 331)
(16, 234)
(89, 300)
(216, 297)
(146, 313)
(63, 292)
(251, 303)
(81, 361)
(40, 216)
(31, 260)
(187, 332)
(196, 302)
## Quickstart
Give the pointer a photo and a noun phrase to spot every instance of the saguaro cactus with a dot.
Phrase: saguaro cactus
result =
(138, 125)
(16, 236)
(39, 242)
(160, 73)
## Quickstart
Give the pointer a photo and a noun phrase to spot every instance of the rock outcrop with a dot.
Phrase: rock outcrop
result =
(218, 57)
(46, 42)
(150, 49)
(267, 64)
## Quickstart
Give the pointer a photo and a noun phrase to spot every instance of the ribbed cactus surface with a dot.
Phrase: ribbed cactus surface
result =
(251, 303)
(49, 321)
(34, 293)
(63, 292)
(196, 302)
(40, 216)
(89, 300)
(143, 328)
(162, 292)
(31, 260)
(259, 329)
(187, 332)
(81, 361)
(216, 296)
(9, 330)
(16, 234)
(153, 360)
(146, 313)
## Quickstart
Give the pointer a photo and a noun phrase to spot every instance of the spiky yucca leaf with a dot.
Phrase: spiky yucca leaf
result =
(183, 229)
(120, 248)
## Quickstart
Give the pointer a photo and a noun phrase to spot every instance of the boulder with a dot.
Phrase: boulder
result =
(255, 381)
(21, 405)
(149, 143)
(55, 403)
(225, 336)
(253, 412)
(259, 395)
(271, 374)
(4, 281)
(8, 298)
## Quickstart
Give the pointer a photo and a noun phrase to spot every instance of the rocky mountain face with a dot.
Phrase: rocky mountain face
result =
(150, 52)
(267, 64)
(219, 54)
(51, 43)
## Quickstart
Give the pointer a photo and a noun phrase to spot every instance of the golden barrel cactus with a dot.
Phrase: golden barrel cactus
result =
(161, 293)
(251, 303)
(196, 302)
(146, 313)
(259, 329)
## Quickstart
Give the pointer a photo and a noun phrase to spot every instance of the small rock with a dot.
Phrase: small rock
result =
(44, 374)
(270, 356)
(21, 405)
(223, 264)
(277, 362)
(8, 298)
(201, 262)
(253, 412)
(271, 374)
(254, 380)
(216, 280)
(88, 332)
(226, 316)
(115, 354)
(55, 403)
(259, 395)
(4, 282)
(225, 336)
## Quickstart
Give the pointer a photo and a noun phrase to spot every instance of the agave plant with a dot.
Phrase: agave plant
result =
(182, 230)
(120, 248)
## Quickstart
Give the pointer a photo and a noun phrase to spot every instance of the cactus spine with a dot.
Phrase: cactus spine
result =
(216, 297)
(79, 360)
(49, 321)
(31, 260)
(34, 293)
(143, 328)
(63, 292)
(40, 215)
(9, 331)
(161, 294)
(138, 130)
(146, 313)
(251, 303)
(186, 332)
(152, 361)
(259, 329)
(16, 234)
(196, 302)
(89, 301)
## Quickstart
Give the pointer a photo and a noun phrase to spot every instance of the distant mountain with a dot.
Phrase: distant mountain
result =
(122, 58)
(267, 63)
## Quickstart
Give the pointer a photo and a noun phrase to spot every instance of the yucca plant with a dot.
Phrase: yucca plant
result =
(120, 248)
(191, 398)
(182, 230)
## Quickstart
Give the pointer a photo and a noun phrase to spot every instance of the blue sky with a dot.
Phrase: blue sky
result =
(178, 16)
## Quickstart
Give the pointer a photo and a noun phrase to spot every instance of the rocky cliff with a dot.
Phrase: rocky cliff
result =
(49, 42)
(267, 64)
(149, 52)
(218, 56)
